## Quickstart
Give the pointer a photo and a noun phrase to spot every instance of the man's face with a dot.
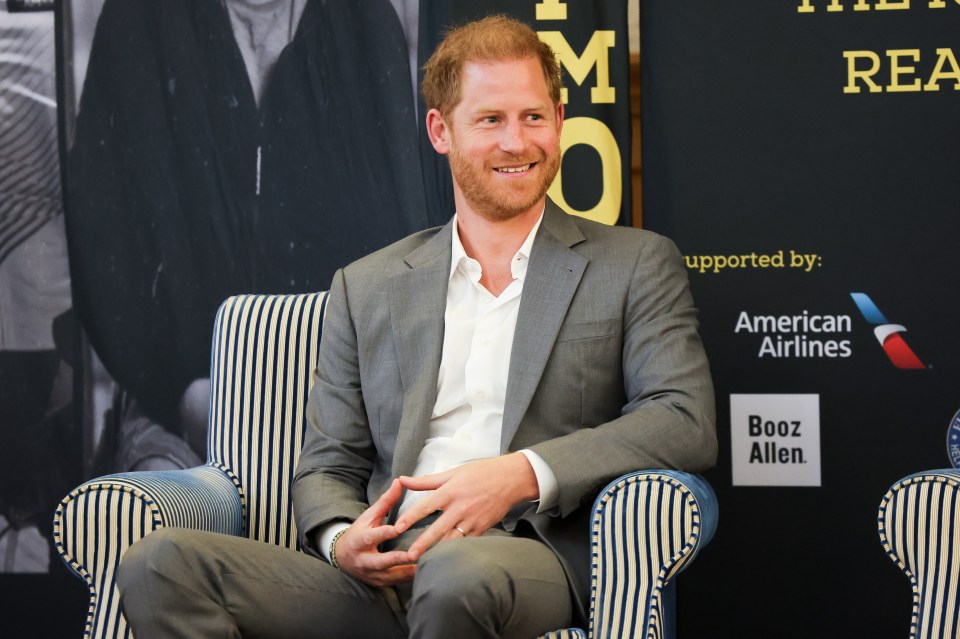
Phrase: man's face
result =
(502, 139)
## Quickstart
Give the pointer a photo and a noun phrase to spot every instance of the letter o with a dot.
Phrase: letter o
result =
(595, 133)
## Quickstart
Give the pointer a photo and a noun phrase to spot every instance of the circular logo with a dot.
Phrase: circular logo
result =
(953, 440)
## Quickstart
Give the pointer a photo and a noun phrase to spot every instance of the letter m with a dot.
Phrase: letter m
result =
(596, 54)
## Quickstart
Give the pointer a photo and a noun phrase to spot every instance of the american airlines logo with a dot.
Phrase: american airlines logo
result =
(803, 335)
(889, 335)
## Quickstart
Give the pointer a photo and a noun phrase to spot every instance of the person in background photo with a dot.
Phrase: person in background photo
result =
(211, 158)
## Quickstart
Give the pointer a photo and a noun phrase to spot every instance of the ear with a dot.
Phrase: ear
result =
(559, 117)
(438, 131)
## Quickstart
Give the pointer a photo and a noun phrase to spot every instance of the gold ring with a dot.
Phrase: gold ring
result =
(460, 530)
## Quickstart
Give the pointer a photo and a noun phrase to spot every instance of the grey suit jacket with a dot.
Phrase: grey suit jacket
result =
(607, 375)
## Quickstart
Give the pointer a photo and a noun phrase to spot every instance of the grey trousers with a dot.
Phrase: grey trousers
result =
(187, 583)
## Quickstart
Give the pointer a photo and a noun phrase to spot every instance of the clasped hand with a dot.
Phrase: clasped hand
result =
(471, 498)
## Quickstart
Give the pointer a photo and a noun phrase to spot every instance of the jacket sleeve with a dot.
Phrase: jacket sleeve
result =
(337, 456)
(668, 418)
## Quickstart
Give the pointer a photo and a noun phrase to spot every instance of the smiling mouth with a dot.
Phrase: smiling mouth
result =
(515, 169)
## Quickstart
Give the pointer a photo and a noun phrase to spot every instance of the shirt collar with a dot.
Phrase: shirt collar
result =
(518, 265)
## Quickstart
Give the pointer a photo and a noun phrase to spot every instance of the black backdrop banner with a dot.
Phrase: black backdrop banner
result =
(803, 155)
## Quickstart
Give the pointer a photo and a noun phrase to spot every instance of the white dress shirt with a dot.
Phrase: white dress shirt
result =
(472, 386)
(467, 417)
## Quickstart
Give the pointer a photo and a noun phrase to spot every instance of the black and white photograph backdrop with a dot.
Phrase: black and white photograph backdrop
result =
(158, 157)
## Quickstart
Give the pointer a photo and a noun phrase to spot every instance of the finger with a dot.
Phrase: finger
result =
(453, 534)
(380, 508)
(433, 534)
(373, 537)
(426, 482)
(427, 506)
(392, 577)
(381, 561)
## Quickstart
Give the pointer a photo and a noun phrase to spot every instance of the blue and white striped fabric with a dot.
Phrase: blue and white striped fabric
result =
(260, 371)
(569, 633)
(264, 350)
(96, 523)
(919, 526)
(647, 526)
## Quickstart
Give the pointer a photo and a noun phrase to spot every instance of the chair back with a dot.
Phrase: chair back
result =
(264, 351)
(918, 523)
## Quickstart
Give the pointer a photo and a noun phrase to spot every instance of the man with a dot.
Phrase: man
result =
(478, 384)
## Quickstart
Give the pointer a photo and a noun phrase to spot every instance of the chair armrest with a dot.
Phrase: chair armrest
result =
(917, 522)
(648, 526)
(95, 524)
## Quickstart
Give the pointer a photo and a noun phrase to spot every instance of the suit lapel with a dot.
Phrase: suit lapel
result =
(552, 278)
(417, 302)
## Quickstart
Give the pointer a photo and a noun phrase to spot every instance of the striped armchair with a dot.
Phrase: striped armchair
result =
(919, 524)
(647, 526)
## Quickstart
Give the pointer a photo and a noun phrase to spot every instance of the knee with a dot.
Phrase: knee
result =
(147, 564)
(455, 580)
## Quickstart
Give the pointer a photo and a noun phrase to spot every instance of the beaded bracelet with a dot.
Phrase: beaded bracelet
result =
(332, 551)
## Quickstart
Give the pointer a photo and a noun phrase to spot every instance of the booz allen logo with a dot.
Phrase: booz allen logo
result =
(887, 334)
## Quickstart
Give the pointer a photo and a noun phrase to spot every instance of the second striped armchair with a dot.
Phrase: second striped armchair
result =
(919, 526)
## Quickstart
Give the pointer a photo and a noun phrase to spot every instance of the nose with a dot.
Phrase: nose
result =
(514, 138)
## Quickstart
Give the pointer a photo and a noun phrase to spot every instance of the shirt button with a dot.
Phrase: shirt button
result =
(480, 397)
(487, 300)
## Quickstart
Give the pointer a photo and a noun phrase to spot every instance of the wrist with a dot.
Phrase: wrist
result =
(528, 486)
(332, 549)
